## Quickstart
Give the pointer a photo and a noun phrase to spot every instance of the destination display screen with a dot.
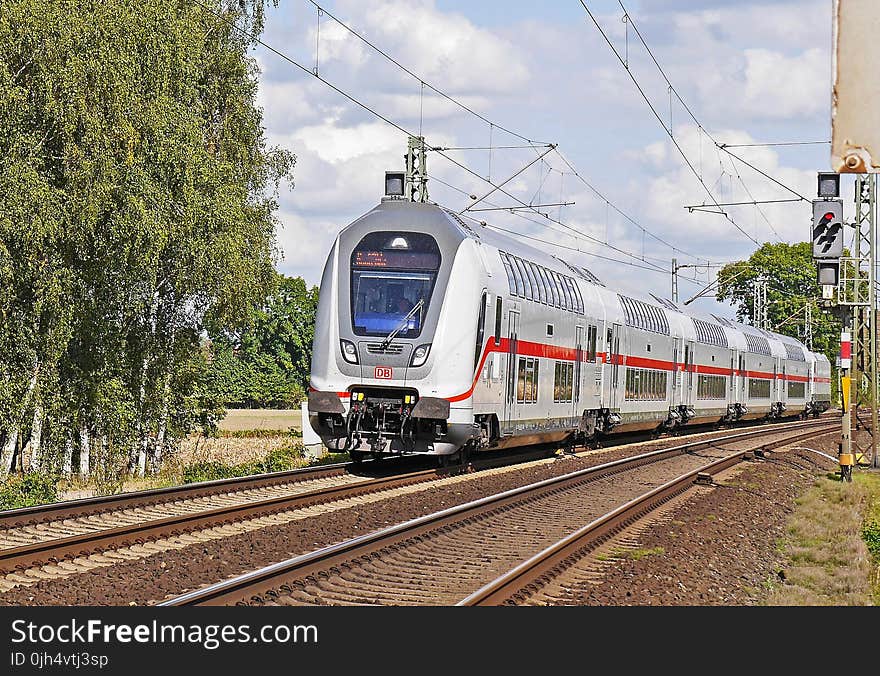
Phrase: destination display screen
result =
(402, 260)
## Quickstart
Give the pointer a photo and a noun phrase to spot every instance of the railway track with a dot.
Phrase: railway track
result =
(49, 534)
(46, 546)
(488, 546)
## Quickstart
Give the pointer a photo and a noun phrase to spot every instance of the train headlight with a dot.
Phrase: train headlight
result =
(420, 355)
(349, 351)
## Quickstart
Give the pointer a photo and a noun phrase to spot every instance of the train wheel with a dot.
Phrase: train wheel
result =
(357, 457)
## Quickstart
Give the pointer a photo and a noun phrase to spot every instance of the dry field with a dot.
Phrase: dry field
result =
(261, 419)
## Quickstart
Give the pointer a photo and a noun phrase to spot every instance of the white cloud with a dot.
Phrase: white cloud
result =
(758, 67)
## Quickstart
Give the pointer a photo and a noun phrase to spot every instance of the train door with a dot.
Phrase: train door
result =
(512, 368)
(689, 368)
(731, 381)
(615, 358)
(577, 386)
(676, 373)
(783, 386)
(741, 390)
(811, 380)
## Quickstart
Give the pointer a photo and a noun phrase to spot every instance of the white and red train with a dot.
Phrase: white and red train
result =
(436, 337)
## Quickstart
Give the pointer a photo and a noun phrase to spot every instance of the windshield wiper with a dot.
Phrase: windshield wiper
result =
(400, 327)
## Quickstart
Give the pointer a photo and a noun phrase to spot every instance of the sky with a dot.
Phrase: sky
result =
(741, 73)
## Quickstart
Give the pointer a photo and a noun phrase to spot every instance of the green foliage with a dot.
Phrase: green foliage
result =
(210, 470)
(266, 364)
(27, 490)
(871, 526)
(138, 208)
(279, 460)
(791, 275)
(871, 536)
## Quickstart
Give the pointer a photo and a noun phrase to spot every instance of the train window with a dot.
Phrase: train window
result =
(591, 344)
(711, 387)
(563, 380)
(498, 316)
(527, 287)
(481, 329)
(641, 316)
(646, 384)
(530, 273)
(549, 329)
(535, 271)
(517, 278)
(551, 289)
(527, 381)
(392, 279)
(569, 299)
(575, 296)
(545, 285)
(508, 268)
(759, 388)
(560, 293)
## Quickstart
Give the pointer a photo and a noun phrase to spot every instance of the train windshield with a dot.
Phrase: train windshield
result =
(390, 273)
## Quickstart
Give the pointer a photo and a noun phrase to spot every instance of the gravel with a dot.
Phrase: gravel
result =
(720, 549)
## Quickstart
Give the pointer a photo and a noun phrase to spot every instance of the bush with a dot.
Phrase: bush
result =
(279, 460)
(210, 471)
(28, 490)
(871, 536)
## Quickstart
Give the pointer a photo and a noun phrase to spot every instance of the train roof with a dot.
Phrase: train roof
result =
(431, 217)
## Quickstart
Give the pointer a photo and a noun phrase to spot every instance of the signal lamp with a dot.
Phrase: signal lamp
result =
(829, 184)
(394, 183)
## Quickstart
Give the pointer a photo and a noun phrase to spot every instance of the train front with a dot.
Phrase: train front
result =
(378, 384)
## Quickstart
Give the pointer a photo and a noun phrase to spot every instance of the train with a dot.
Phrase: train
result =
(441, 337)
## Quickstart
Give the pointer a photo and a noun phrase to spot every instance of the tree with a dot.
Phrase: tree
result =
(267, 362)
(141, 201)
(790, 273)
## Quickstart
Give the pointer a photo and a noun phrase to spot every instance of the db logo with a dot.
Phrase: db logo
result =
(383, 372)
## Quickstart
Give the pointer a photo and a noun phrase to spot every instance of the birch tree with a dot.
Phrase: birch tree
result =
(142, 200)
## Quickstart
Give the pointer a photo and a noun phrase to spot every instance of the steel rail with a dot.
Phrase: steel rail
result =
(527, 577)
(57, 511)
(29, 555)
(248, 585)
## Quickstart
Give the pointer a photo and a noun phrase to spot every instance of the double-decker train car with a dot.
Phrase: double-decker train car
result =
(436, 337)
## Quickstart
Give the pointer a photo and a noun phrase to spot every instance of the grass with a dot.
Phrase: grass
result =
(278, 460)
(633, 554)
(833, 546)
(234, 453)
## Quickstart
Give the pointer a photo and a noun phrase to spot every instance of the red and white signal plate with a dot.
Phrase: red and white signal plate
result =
(383, 373)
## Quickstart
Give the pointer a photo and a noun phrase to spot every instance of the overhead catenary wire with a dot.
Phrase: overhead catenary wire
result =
(492, 125)
(663, 124)
(650, 266)
(618, 210)
(406, 131)
(722, 146)
(434, 89)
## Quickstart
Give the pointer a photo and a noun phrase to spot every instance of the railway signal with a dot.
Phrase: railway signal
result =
(827, 228)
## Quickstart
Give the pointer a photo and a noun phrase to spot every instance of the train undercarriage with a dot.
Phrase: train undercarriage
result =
(381, 422)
